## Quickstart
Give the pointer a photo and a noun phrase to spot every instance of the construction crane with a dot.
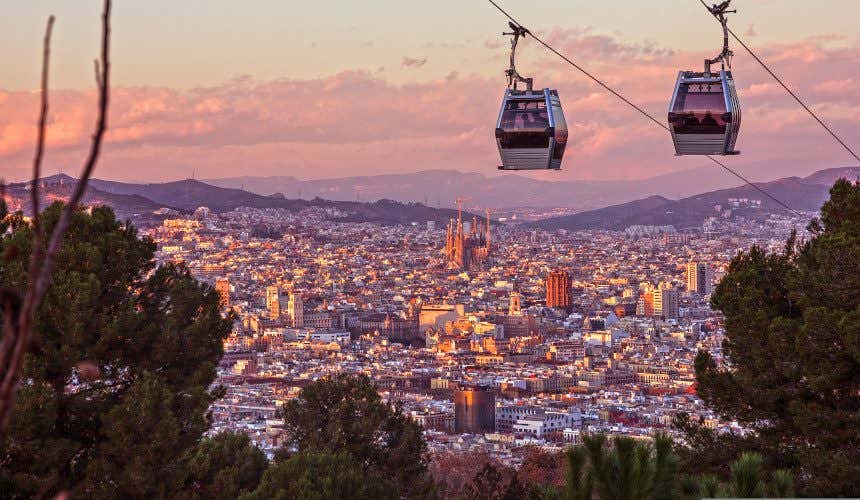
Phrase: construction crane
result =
(460, 200)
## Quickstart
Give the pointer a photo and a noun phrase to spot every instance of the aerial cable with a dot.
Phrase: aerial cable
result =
(637, 108)
(790, 92)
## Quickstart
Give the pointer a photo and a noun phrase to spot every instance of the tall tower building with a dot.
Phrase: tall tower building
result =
(665, 301)
(474, 410)
(515, 306)
(222, 286)
(296, 310)
(699, 278)
(645, 305)
(558, 289)
(273, 301)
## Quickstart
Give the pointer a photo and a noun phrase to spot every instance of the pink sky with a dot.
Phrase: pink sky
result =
(358, 121)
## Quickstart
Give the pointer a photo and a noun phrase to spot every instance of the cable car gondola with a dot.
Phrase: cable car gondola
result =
(531, 132)
(704, 113)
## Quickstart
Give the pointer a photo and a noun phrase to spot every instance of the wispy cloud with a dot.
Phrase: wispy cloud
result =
(357, 121)
(413, 62)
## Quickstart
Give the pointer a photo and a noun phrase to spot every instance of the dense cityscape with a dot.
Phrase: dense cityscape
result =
(313, 252)
(492, 337)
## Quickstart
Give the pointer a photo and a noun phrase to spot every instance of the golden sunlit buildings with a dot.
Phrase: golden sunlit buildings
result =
(434, 316)
(515, 304)
(660, 301)
(273, 301)
(222, 286)
(666, 301)
(468, 248)
(699, 278)
(296, 310)
(558, 289)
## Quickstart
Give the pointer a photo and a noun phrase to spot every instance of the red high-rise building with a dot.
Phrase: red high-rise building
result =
(558, 290)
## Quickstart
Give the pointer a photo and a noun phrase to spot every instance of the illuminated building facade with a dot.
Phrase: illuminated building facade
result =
(273, 301)
(699, 278)
(222, 286)
(474, 410)
(558, 290)
(468, 248)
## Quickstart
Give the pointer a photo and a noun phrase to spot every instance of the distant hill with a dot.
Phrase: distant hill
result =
(59, 187)
(828, 176)
(190, 194)
(605, 218)
(805, 194)
(441, 188)
(139, 201)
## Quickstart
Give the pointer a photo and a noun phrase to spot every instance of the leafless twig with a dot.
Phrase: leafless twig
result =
(17, 324)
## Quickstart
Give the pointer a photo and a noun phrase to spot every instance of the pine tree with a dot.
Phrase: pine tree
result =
(747, 476)
(622, 468)
(579, 481)
(321, 475)
(223, 467)
(345, 414)
(115, 385)
(792, 345)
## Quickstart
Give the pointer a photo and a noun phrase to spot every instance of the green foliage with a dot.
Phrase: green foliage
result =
(344, 414)
(782, 484)
(622, 468)
(320, 475)
(793, 348)
(722, 448)
(665, 469)
(139, 432)
(746, 476)
(622, 471)
(580, 482)
(708, 487)
(746, 480)
(152, 337)
(223, 467)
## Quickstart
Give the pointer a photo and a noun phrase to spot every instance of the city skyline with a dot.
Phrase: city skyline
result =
(253, 287)
(224, 102)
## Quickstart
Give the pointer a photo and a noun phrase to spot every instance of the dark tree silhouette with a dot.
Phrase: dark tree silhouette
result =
(20, 305)
(118, 374)
(793, 353)
(345, 414)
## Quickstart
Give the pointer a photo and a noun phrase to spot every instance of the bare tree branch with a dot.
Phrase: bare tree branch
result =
(17, 324)
(43, 121)
(12, 336)
(47, 267)
(38, 231)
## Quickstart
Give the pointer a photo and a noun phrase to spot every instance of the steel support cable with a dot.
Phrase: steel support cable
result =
(790, 92)
(640, 110)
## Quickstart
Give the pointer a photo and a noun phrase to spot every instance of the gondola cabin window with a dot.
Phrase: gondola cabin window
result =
(700, 108)
(527, 122)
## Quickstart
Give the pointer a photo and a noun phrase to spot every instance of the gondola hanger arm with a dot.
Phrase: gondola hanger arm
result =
(719, 12)
(513, 76)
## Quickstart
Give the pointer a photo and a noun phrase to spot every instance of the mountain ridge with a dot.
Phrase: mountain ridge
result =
(441, 187)
(139, 201)
(800, 193)
(142, 201)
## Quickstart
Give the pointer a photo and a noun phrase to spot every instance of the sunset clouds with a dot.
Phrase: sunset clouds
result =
(358, 122)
